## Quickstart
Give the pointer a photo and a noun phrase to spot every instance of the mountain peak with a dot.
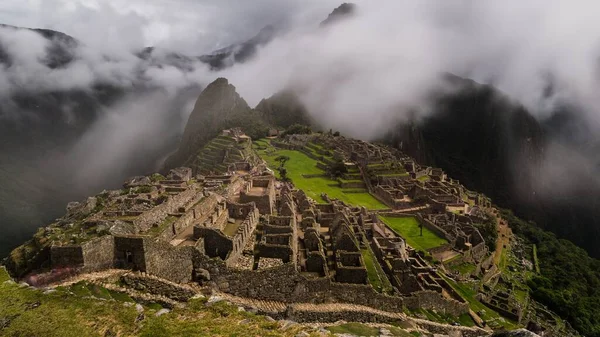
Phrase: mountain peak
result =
(218, 103)
(345, 10)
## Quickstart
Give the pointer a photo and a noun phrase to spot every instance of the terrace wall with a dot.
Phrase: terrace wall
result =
(99, 253)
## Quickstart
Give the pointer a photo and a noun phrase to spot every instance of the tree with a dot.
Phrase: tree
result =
(297, 129)
(338, 168)
(282, 160)
(281, 169)
(283, 174)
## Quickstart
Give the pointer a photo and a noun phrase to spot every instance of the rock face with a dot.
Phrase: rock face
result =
(217, 104)
(283, 109)
(343, 11)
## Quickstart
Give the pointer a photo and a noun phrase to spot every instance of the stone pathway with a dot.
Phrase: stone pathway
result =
(267, 307)
(101, 275)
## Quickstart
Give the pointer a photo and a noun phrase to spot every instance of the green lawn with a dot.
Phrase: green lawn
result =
(408, 228)
(300, 164)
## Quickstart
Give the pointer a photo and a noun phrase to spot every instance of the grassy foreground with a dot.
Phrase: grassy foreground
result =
(76, 312)
(408, 228)
(300, 164)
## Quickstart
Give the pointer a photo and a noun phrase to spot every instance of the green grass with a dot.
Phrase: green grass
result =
(160, 228)
(3, 275)
(375, 273)
(300, 164)
(408, 228)
(99, 292)
(372, 274)
(80, 289)
(469, 294)
(120, 297)
(30, 312)
(464, 268)
(356, 329)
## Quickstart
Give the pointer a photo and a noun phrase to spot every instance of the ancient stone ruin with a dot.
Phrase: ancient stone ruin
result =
(228, 223)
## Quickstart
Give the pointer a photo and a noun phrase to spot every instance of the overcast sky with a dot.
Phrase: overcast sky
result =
(182, 25)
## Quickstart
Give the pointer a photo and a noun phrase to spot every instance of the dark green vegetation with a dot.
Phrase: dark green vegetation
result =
(569, 280)
(297, 129)
(77, 311)
(300, 165)
(410, 229)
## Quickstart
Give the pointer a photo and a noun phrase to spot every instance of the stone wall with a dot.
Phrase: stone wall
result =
(285, 284)
(99, 254)
(243, 234)
(352, 184)
(168, 262)
(434, 228)
(432, 300)
(159, 213)
(240, 211)
(270, 249)
(130, 252)
(66, 256)
(265, 202)
(200, 210)
(156, 286)
(298, 315)
(216, 244)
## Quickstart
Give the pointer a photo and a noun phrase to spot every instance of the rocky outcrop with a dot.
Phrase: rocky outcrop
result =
(343, 11)
(218, 104)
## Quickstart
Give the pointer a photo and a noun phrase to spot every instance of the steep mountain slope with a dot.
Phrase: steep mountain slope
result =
(217, 104)
(497, 147)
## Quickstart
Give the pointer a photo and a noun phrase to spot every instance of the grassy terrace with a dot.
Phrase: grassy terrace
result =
(89, 310)
(464, 319)
(300, 164)
(464, 268)
(160, 228)
(408, 228)
(467, 292)
(375, 273)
